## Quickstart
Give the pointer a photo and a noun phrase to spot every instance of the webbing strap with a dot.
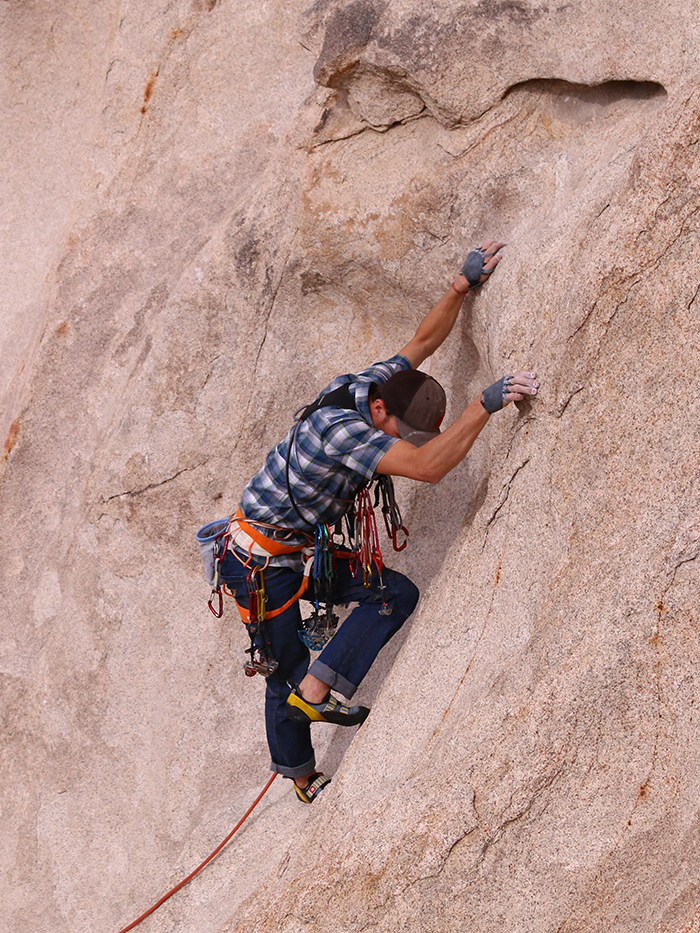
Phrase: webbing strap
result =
(245, 613)
(341, 397)
(270, 545)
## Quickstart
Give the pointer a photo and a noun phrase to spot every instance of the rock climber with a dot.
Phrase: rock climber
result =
(384, 421)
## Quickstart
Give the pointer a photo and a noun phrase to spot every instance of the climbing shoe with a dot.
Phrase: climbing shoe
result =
(309, 793)
(330, 710)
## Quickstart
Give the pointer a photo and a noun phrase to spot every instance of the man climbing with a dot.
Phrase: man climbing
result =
(383, 422)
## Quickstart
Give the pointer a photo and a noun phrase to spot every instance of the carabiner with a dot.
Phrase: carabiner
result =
(394, 532)
(221, 602)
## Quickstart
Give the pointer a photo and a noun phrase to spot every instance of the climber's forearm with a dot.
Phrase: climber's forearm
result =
(434, 460)
(439, 321)
(437, 324)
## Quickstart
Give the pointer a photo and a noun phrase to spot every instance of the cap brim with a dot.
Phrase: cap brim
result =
(413, 435)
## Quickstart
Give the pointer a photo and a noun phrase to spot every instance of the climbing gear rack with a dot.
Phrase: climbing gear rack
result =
(321, 625)
(261, 660)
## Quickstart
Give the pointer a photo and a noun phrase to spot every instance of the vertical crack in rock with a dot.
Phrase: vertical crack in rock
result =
(526, 417)
(538, 790)
(689, 556)
(265, 326)
(586, 317)
(474, 653)
(693, 299)
(505, 493)
(588, 183)
(504, 496)
(563, 403)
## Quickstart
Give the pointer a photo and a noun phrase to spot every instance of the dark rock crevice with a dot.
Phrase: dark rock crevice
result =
(579, 103)
(380, 97)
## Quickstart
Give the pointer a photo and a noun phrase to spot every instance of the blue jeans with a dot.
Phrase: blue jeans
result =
(344, 661)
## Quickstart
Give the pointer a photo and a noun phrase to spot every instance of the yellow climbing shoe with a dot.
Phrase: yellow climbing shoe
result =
(309, 793)
(330, 710)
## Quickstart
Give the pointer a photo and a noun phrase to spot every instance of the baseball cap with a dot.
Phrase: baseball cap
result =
(418, 401)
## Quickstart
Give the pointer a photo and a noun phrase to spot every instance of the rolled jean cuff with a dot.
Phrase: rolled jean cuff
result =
(335, 681)
(299, 771)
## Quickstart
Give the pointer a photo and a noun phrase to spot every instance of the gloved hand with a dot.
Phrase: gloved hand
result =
(481, 262)
(509, 389)
(473, 267)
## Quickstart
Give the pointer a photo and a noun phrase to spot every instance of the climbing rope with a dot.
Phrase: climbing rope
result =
(205, 862)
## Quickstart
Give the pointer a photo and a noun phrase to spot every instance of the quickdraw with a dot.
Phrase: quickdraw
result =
(390, 510)
(366, 540)
(261, 660)
(363, 551)
(321, 625)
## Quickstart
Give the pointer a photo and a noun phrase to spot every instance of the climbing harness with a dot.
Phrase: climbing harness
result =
(214, 540)
(263, 541)
(206, 860)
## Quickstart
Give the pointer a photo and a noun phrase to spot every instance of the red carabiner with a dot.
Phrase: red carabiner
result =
(221, 603)
(393, 538)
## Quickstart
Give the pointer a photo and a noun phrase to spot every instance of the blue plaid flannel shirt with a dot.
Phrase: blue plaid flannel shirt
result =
(336, 451)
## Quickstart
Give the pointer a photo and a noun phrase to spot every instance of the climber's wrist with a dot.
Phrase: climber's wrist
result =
(494, 398)
(460, 285)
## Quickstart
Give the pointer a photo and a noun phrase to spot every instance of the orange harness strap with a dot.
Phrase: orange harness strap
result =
(273, 547)
(245, 613)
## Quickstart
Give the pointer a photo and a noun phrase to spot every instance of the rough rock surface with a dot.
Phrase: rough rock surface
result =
(211, 209)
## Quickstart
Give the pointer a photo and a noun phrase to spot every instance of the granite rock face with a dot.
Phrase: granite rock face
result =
(228, 204)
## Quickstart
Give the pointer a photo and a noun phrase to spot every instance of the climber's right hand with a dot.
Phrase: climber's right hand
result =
(513, 388)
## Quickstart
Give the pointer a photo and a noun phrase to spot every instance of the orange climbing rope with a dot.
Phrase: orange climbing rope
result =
(205, 862)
